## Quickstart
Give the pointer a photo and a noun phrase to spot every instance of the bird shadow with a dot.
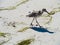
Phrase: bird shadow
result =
(41, 29)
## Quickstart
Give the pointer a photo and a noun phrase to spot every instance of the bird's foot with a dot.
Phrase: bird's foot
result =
(31, 24)
(39, 25)
(36, 24)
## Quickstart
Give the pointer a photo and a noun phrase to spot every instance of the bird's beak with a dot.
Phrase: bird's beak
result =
(47, 12)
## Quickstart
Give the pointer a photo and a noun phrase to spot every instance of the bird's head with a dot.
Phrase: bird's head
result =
(44, 10)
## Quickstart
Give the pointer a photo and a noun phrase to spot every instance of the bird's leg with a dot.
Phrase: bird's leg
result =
(37, 22)
(32, 22)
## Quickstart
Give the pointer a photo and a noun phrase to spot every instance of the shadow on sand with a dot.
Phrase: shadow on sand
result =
(41, 29)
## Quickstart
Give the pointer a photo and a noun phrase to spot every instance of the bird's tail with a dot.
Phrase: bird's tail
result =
(28, 16)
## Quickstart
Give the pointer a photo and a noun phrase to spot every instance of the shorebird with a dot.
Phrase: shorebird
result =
(37, 14)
